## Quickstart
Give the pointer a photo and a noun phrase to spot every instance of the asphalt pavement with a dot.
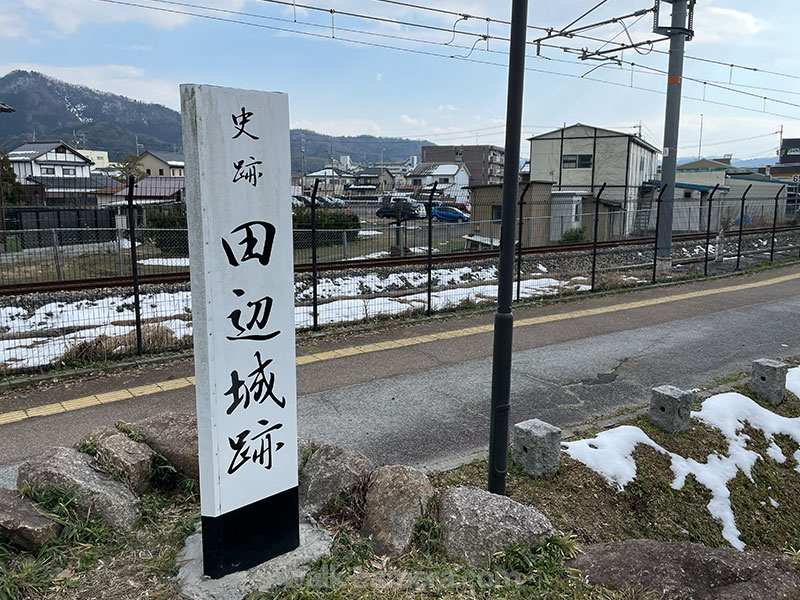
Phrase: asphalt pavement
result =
(419, 394)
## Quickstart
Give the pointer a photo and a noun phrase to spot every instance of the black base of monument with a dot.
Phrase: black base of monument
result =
(251, 535)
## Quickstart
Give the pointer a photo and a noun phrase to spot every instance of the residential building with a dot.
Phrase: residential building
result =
(149, 194)
(586, 157)
(48, 159)
(451, 178)
(485, 163)
(333, 181)
(373, 181)
(163, 164)
(99, 158)
(399, 169)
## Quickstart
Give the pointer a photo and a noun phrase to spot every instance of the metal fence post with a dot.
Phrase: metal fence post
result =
(519, 240)
(344, 244)
(775, 224)
(741, 227)
(430, 247)
(57, 256)
(596, 223)
(708, 227)
(314, 304)
(655, 242)
(118, 236)
(134, 266)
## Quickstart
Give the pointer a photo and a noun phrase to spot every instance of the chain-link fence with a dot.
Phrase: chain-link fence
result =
(75, 295)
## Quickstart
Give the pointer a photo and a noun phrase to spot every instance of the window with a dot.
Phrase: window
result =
(416, 182)
(444, 180)
(161, 171)
(577, 215)
(48, 170)
(497, 212)
(576, 161)
(68, 171)
(148, 171)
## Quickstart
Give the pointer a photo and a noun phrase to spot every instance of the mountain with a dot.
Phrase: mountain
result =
(56, 110)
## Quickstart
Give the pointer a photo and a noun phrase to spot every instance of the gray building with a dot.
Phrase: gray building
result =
(484, 163)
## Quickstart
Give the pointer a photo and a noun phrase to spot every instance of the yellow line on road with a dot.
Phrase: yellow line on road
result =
(183, 382)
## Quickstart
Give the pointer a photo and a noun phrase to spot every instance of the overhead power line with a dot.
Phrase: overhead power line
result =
(398, 48)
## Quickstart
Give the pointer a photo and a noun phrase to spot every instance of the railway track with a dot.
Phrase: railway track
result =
(15, 289)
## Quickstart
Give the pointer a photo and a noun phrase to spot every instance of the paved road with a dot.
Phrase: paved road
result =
(427, 403)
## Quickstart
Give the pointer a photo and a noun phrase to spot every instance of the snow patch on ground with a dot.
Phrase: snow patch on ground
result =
(165, 262)
(610, 452)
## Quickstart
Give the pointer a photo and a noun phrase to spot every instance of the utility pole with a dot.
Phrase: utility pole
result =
(679, 30)
(700, 147)
(504, 319)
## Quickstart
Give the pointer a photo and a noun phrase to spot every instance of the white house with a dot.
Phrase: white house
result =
(451, 178)
(585, 157)
(48, 159)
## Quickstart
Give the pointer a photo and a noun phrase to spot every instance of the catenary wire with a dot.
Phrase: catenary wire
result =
(427, 53)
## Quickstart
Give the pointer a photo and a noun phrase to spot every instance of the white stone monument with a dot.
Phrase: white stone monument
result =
(236, 144)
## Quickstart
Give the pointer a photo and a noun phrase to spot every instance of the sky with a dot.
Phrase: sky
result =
(343, 79)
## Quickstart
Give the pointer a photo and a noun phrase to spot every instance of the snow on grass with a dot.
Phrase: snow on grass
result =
(369, 233)
(610, 453)
(165, 262)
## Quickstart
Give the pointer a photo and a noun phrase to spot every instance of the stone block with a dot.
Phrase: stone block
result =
(768, 380)
(670, 408)
(536, 447)
(174, 436)
(21, 523)
(396, 498)
(476, 524)
(131, 461)
(329, 472)
(95, 492)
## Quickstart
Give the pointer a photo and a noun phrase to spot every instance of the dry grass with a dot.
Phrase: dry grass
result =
(155, 338)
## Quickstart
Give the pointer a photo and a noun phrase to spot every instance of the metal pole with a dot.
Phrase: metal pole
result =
(430, 247)
(57, 256)
(519, 241)
(504, 318)
(134, 265)
(775, 224)
(708, 228)
(314, 312)
(596, 221)
(741, 227)
(658, 222)
(677, 43)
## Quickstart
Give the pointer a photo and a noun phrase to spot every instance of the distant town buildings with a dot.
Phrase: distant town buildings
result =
(163, 164)
(484, 163)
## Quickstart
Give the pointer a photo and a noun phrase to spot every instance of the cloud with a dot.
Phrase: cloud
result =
(413, 121)
(67, 16)
(339, 126)
(119, 79)
(379, 77)
(12, 25)
(447, 108)
(722, 25)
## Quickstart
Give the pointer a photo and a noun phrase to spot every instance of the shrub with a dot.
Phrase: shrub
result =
(330, 225)
(168, 232)
(574, 236)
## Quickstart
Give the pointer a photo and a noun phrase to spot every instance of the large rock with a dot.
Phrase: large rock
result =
(329, 472)
(684, 571)
(396, 497)
(95, 492)
(174, 436)
(127, 460)
(476, 524)
(22, 525)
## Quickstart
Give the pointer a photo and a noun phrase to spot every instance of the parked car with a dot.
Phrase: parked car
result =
(449, 213)
(297, 202)
(408, 211)
(462, 206)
